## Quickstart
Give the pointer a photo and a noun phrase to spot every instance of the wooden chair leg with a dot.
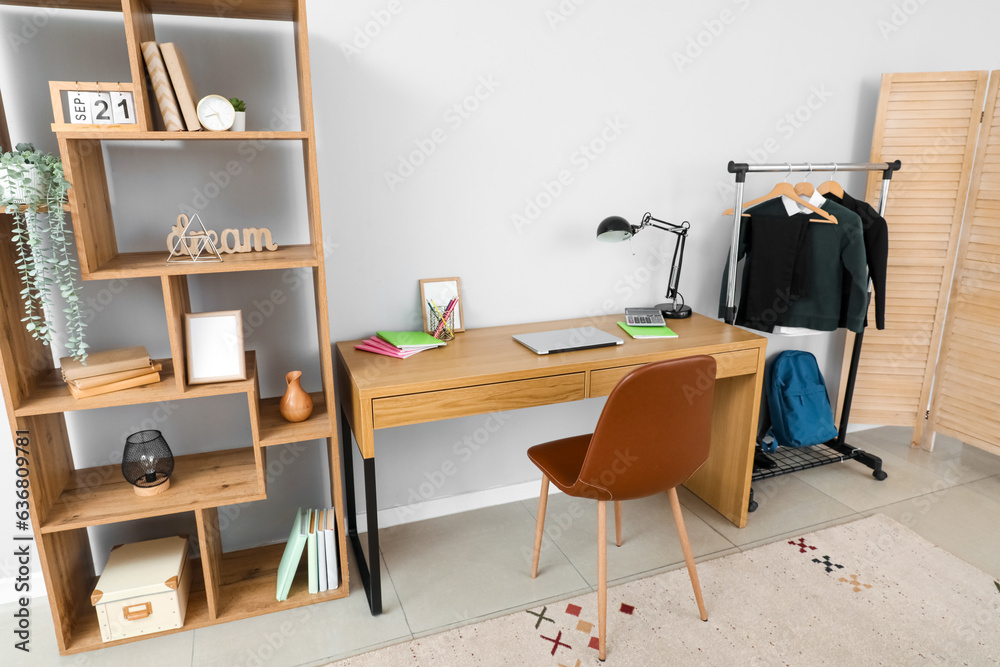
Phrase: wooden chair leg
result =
(618, 523)
(602, 577)
(675, 504)
(543, 498)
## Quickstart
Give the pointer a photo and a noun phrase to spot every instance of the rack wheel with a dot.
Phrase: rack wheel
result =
(879, 475)
(752, 507)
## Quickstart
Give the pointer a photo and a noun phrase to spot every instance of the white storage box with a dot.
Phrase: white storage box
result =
(143, 589)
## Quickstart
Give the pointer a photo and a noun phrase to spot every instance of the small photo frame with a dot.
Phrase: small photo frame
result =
(438, 292)
(215, 346)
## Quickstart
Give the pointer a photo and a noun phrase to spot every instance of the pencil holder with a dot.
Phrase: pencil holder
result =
(445, 332)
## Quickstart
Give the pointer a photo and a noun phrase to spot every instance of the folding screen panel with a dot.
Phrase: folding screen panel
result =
(966, 398)
(930, 121)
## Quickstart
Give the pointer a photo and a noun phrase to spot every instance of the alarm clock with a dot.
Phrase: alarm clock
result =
(216, 113)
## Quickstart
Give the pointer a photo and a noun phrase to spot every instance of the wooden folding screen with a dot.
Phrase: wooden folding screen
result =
(966, 398)
(930, 122)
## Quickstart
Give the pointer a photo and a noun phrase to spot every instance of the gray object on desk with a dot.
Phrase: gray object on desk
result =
(566, 340)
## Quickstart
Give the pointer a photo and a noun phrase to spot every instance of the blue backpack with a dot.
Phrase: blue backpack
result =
(796, 395)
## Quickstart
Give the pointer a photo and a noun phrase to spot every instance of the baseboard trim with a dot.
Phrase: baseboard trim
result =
(437, 507)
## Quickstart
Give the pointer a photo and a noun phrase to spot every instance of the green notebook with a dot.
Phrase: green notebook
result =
(647, 332)
(409, 340)
(293, 553)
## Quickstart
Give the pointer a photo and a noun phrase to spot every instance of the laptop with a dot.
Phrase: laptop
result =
(566, 340)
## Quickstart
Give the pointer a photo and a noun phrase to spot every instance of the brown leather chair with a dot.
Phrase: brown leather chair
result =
(653, 433)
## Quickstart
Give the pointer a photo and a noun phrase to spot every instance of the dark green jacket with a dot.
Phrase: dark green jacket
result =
(835, 290)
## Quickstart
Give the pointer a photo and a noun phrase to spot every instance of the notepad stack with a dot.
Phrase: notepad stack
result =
(315, 533)
(109, 371)
(399, 344)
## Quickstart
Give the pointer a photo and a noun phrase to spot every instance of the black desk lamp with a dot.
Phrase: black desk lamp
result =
(616, 228)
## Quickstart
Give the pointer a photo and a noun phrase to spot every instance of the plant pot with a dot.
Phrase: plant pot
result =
(16, 189)
(240, 124)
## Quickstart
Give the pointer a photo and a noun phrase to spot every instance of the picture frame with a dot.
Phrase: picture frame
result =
(214, 345)
(441, 291)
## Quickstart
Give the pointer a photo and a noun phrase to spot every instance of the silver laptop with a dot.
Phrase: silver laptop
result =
(565, 340)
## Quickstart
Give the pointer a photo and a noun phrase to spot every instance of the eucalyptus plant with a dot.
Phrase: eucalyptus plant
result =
(35, 192)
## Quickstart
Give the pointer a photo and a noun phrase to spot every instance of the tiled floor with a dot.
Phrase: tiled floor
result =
(446, 572)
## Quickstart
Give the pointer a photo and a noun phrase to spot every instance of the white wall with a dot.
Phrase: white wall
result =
(665, 93)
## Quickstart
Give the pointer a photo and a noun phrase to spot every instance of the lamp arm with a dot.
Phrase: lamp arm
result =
(649, 221)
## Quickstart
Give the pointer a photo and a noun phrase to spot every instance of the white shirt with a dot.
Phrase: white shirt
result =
(792, 207)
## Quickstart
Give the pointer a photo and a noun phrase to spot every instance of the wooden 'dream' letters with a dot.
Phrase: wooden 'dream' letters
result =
(230, 241)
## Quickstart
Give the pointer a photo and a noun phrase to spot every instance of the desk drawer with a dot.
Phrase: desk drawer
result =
(727, 364)
(448, 403)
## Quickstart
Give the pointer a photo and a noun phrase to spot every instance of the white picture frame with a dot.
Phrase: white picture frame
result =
(214, 344)
(441, 291)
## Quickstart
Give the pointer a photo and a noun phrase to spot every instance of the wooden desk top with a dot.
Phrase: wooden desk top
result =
(488, 355)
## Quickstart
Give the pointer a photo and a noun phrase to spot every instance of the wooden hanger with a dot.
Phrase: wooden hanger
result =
(831, 187)
(805, 188)
(785, 188)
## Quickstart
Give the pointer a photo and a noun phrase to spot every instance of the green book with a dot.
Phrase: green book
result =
(312, 553)
(647, 332)
(293, 553)
(410, 340)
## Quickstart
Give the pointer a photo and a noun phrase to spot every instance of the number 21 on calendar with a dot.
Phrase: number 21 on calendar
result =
(101, 108)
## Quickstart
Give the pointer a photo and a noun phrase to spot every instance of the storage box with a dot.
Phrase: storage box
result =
(143, 589)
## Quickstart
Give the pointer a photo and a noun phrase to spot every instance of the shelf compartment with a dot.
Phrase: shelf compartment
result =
(51, 396)
(154, 264)
(251, 580)
(274, 430)
(97, 496)
(66, 131)
(85, 635)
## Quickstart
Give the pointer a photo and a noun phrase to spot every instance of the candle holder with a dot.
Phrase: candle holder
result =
(147, 463)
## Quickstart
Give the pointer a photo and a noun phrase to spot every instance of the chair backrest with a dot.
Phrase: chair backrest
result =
(654, 432)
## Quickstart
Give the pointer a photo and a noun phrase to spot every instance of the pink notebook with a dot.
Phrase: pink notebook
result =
(379, 346)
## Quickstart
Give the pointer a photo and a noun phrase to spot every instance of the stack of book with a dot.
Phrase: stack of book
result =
(315, 533)
(109, 371)
(171, 82)
(399, 344)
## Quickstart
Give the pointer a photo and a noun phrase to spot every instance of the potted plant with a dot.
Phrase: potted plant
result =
(240, 123)
(34, 193)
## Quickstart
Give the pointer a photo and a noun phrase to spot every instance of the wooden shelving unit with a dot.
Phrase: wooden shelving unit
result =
(65, 501)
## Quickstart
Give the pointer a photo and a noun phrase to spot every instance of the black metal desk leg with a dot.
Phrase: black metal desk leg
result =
(371, 578)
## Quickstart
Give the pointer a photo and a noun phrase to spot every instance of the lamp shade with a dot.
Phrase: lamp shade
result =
(147, 462)
(614, 229)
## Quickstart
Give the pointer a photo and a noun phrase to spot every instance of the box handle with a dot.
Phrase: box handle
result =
(137, 611)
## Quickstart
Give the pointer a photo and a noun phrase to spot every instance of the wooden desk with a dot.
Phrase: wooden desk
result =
(485, 370)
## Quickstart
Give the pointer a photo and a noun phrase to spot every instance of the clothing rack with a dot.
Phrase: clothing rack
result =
(792, 459)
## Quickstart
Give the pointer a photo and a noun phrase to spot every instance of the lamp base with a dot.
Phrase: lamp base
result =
(670, 311)
(151, 490)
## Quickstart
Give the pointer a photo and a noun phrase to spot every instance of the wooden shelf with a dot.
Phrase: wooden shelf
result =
(67, 131)
(249, 582)
(268, 10)
(96, 496)
(51, 396)
(274, 430)
(154, 264)
(250, 579)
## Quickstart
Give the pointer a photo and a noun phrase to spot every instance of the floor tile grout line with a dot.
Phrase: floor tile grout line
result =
(388, 575)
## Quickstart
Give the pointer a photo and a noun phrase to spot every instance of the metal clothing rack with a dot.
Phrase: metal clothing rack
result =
(791, 459)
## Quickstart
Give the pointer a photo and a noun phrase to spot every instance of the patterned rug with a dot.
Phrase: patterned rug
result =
(870, 592)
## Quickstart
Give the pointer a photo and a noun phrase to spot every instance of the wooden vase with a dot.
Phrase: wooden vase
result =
(295, 405)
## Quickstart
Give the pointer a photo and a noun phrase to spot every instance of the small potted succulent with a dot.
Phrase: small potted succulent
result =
(33, 190)
(240, 123)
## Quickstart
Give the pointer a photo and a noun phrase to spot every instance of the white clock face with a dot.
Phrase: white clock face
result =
(216, 113)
